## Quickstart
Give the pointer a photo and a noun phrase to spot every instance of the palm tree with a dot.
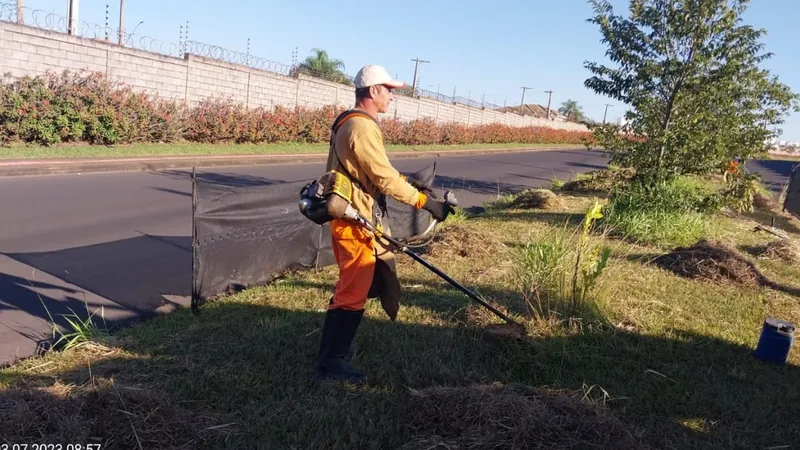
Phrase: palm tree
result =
(572, 110)
(320, 64)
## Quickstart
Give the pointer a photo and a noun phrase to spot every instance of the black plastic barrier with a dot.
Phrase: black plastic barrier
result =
(249, 234)
(792, 202)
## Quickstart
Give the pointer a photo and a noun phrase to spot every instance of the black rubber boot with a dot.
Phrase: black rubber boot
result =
(338, 334)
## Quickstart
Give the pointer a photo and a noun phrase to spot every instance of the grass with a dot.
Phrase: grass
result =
(196, 149)
(662, 228)
(664, 216)
(784, 157)
(670, 365)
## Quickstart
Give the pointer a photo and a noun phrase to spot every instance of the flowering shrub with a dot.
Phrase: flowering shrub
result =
(64, 108)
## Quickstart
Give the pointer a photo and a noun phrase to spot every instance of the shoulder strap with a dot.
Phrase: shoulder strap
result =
(343, 117)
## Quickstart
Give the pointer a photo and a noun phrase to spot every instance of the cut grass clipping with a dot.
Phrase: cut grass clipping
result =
(598, 181)
(780, 250)
(133, 417)
(463, 242)
(711, 261)
(512, 417)
(536, 199)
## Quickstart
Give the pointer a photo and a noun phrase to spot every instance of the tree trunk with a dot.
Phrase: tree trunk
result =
(667, 117)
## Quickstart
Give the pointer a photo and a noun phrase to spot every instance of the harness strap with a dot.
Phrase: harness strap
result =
(343, 117)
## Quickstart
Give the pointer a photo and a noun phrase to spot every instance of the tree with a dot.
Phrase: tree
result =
(321, 65)
(572, 110)
(689, 70)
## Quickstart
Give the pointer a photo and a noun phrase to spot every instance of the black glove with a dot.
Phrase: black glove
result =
(439, 210)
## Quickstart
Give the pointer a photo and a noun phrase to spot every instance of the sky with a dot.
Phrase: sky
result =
(476, 48)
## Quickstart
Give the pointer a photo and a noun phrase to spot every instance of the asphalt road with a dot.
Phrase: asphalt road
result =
(123, 240)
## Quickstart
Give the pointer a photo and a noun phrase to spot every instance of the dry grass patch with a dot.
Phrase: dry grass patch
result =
(711, 261)
(463, 241)
(599, 181)
(763, 202)
(779, 250)
(512, 417)
(537, 199)
(102, 411)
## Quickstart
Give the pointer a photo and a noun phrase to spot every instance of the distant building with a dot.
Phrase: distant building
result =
(777, 146)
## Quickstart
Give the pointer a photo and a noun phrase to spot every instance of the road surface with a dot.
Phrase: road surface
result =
(123, 240)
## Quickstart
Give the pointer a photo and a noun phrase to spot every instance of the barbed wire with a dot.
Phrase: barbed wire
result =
(54, 22)
(236, 57)
(423, 93)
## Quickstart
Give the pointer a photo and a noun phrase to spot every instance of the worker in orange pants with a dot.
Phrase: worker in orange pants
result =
(366, 265)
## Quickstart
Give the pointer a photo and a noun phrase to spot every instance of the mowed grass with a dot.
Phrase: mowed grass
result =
(671, 364)
(198, 149)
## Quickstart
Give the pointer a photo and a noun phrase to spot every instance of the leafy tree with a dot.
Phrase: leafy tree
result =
(689, 70)
(572, 110)
(321, 65)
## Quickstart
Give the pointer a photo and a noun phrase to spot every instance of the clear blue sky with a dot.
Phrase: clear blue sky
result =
(478, 47)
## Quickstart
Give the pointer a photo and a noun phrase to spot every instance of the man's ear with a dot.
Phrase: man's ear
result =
(374, 91)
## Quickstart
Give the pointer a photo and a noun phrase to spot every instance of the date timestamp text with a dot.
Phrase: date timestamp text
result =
(50, 447)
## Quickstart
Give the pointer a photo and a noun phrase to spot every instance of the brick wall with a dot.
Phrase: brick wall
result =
(26, 50)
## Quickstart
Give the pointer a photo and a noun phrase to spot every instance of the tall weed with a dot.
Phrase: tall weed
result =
(557, 276)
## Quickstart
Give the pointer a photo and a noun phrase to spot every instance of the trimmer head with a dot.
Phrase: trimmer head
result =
(506, 330)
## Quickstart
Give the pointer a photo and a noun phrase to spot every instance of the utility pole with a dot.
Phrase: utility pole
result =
(604, 114)
(72, 16)
(416, 66)
(122, 21)
(522, 102)
(549, 98)
(21, 12)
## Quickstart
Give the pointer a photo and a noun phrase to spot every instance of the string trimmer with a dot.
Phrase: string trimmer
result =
(511, 328)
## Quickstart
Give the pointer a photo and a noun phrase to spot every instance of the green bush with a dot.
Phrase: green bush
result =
(663, 213)
(55, 109)
(64, 108)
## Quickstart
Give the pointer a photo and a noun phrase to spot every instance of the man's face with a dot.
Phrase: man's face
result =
(383, 98)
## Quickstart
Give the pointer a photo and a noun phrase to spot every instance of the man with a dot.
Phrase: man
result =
(366, 266)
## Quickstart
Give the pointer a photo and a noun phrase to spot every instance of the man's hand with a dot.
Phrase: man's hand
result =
(439, 210)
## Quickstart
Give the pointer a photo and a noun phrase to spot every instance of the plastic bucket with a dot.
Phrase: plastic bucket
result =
(775, 341)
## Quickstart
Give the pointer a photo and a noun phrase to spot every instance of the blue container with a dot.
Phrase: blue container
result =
(775, 341)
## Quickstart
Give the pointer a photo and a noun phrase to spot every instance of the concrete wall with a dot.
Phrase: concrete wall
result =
(26, 50)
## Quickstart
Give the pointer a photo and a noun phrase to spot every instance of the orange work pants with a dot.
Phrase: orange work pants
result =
(362, 274)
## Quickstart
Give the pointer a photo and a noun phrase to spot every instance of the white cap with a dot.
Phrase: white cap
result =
(373, 75)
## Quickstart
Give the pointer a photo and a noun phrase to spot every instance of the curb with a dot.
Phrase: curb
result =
(63, 166)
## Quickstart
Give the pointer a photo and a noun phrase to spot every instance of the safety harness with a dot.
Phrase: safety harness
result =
(326, 199)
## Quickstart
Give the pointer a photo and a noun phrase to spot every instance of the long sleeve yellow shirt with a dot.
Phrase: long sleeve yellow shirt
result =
(360, 148)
